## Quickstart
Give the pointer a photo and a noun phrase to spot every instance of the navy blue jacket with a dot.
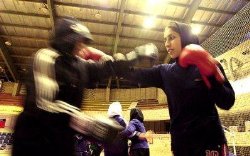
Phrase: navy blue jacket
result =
(193, 116)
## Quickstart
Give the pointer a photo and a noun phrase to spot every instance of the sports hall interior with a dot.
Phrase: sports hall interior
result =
(118, 26)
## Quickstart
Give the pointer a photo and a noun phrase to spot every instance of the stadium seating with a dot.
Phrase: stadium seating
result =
(5, 141)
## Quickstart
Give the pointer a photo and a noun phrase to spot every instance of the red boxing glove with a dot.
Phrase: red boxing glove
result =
(195, 55)
(90, 53)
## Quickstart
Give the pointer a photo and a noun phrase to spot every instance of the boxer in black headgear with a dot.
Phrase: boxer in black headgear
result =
(51, 113)
(54, 95)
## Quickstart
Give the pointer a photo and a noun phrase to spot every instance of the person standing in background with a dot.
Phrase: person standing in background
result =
(136, 132)
(120, 145)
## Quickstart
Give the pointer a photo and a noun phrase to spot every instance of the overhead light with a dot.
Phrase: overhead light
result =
(1, 84)
(152, 2)
(8, 43)
(98, 15)
(149, 22)
(196, 29)
(1, 69)
(44, 8)
(24, 69)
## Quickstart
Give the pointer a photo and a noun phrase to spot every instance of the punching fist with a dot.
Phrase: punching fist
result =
(119, 57)
(195, 55)
(90, 53)
(148, 50)
(106, 58)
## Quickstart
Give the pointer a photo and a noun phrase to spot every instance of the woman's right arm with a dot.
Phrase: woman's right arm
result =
(146, 76)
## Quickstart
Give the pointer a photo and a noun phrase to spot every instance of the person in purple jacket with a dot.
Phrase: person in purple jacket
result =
(139, 144)
(120, 145)
(82, 146)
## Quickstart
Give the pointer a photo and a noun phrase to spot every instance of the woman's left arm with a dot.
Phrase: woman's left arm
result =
(223, 94)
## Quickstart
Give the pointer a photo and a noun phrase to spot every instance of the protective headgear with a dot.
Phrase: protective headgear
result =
(69, 31)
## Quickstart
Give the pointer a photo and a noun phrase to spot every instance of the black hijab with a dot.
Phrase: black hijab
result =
(185, 31)
(136, 113)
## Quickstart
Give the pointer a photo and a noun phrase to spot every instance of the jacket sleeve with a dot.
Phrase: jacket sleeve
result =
(150, 77)
(130, 130)
(45, 68)
(223, 94)
(99, 71)
(146, 76)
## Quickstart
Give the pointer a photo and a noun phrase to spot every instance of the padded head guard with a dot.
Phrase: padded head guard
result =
(69, 31)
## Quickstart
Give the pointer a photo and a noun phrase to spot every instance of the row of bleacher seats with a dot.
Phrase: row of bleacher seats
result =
(150, 104)
(238, 119)
(147, 101)
(120, 94)
(88, 105)
(5, 140)
(240, 150)
(8, 99)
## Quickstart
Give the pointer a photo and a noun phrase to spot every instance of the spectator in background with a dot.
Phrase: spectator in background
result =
(96, 148)
(82, 146)
(136, 132)
(120, 145)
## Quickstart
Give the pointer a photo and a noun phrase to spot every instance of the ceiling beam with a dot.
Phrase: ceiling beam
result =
(119, 26)
(20, 64)
(191, 11)
(217, 11)
(108, 9)
(24, 38)
(46, 40)
(84, 6)
(93, 33)
(142, 38)
(207, 24)
(52, 14)
(8, 60)
(113, 9)
(26, 48)
(24, 26)
(150, 14)
(23, 13)
(92, 21)
(25, 57)
(135, 12)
